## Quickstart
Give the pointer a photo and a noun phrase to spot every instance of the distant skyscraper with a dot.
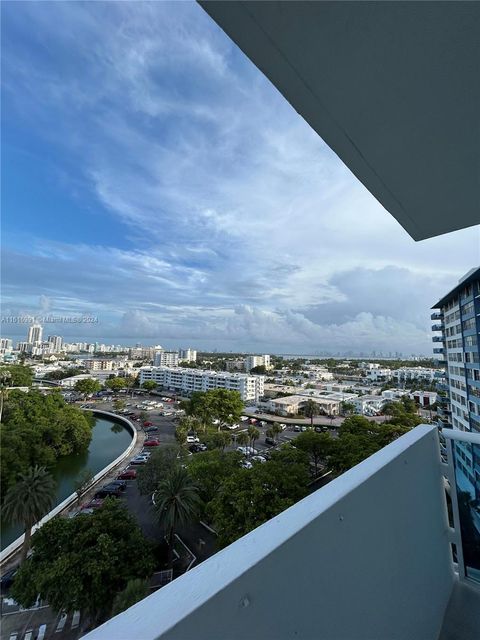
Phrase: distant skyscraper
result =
(56, 342)
(35, 333)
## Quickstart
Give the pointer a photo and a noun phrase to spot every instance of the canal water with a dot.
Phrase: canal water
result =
(109, 440)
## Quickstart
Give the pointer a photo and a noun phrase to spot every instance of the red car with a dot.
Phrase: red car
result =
(128, 474)
(151, 443)
(96, 503)
(148, 424)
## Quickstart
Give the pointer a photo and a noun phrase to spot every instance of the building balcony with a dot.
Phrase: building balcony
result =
(356, 559)
(438, 339)
(438, 350)
(438, 327)
(436, 315)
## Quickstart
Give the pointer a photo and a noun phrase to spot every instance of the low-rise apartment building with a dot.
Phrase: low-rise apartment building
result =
(185, 380)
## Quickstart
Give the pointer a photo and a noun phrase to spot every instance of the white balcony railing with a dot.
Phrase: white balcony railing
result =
(366, 557)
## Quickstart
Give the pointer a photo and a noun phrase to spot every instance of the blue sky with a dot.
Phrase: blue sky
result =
(154, 178)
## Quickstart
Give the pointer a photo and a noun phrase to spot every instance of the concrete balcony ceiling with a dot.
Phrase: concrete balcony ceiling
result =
(391, 87)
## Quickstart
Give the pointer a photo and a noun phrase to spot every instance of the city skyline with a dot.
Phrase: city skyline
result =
(155, 179)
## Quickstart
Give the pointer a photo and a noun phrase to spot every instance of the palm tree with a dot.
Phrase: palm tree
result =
(29, 500)
(176, 502)
(243, 439)
(253, 434)
(5, 379)
(310, 410)
(276, 429)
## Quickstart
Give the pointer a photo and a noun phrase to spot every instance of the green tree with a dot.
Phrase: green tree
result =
(119, 405)
(347, 407)
(217, 404)
(243, 439)
(136, 590)
(210, 468)
(181, 433)
(247, 498)
(83, 482)
(261, 369)
(176, 503)
(219, 440)
(115, 383)
(253, 434)
(87, 386)
(28, 501)
(143, 415)
(37, 429)
(149, 385)
(20, 376)
(81, 563)
(5, 382)
(161, 463)
(316, 445)
(311, 409)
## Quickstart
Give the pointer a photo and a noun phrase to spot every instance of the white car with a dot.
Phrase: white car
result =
(258, 459)
(246, 464)
(283, 426)
(247, 451)
(192, 439)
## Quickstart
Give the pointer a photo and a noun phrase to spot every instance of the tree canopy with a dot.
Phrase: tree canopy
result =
(249, 497)
(81, 563)
(20, 376)
(87, 386)
(36, 429)
(216, 404)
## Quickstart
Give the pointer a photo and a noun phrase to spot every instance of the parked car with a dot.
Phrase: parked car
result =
(283, 426)
(263, 423)
(96, 503)
(296, 428)
(151, 443)
(197, 447)
(151, 429)
(192, 439)
(147, 423)
(258, 459)
(113, 492)
(304, 428)
(246, 464)
(318, 429)
(139, 460)
(128, 474)
(270, 441)
(247, 451)
(121, 484)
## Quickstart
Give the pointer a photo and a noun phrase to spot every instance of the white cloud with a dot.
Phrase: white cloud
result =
(243, 226)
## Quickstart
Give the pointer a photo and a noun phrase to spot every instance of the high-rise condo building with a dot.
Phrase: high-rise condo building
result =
(35, 332)
(457, 326)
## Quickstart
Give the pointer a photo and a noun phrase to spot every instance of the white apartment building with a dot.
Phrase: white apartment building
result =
(368, 405)
(424, 398)
(141, 353)
(318, 373)
(257, 361)
(379, 375)
(96, 364)
(186, 380)
(188, 355)
(35, 332)
(165, 358)
(56, 342)
(414, 373)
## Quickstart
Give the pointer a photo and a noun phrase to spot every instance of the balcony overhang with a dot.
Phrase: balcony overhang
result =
(391, 87)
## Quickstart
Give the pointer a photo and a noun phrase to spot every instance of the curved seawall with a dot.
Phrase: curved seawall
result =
(108, 447)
